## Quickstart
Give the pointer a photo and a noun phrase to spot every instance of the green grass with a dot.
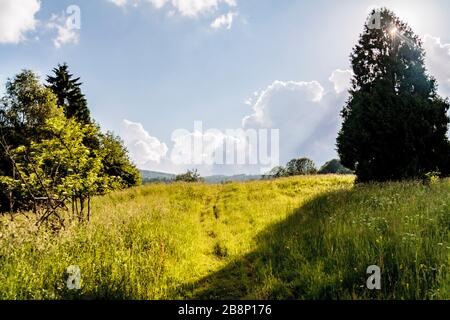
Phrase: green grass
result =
(296, 238)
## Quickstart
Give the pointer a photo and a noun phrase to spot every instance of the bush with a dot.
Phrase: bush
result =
(295, 167)
(189, 176)
(334, 167)
(301, 167)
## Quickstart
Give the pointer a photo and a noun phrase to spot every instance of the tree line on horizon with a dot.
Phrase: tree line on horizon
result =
(53, 154)
(306, 166)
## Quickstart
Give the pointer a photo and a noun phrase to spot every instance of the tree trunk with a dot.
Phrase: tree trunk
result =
(89, 209)
(73, 208)
(81, 209)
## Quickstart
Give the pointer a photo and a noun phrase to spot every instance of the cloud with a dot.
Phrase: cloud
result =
(157, 3)
(210, 151)
(193, 8)
(119, 3)
(66, 33)
(143, 148)
(224, 21)
(438, 62)
(341, 80)
(186, 152)
(282, 96)
(210, 147)
(188, 8)
(16, 19)
(306, 115)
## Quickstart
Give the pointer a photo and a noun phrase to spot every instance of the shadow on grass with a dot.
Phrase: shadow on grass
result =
(287, 264)
(323, 249)
(290, 262)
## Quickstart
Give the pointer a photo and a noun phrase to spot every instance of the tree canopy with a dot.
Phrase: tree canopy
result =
(295, 167)
(301, 166)
(334, 167)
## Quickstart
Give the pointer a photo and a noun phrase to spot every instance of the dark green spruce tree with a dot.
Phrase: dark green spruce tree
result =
(394, 123)
(68, 90)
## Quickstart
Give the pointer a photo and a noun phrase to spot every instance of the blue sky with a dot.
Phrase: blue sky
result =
(150, 67)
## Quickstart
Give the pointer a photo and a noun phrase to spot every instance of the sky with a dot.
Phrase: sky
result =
(153, 67)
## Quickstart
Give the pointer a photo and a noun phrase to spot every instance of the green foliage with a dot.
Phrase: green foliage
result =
(394, 123)
(276, 172)
(24, 109)
(309, 237)
(299, 167)
(64, 161)
(432, 177)
(295, 167)
(26, 106)
(59, 168)
(191, 176)
(55, 153)
(116, 162)
(334, 167)
(68, 91)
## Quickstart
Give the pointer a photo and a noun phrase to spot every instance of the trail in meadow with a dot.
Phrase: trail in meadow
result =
(209, 217)
(210, 206)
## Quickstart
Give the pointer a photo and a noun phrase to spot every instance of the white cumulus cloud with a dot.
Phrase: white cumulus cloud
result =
(224, 21)
(17, 17)
(438, 62)
(189, 8)
(143, 148)
(341, 80)
(66, 33)
(119, 3)
(306, 115)
(283, 97)
(195, 148)
(210, 147)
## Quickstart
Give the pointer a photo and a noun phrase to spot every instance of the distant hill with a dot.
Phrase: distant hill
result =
(154, 176)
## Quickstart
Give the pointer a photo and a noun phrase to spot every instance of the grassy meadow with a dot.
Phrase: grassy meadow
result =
(293, 238)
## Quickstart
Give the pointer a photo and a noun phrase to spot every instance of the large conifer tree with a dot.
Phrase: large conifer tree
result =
(68, 90)
(394, 123)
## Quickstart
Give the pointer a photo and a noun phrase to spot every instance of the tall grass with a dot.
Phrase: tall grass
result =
(295, 238)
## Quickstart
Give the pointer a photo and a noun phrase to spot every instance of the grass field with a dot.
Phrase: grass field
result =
(295, 238)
